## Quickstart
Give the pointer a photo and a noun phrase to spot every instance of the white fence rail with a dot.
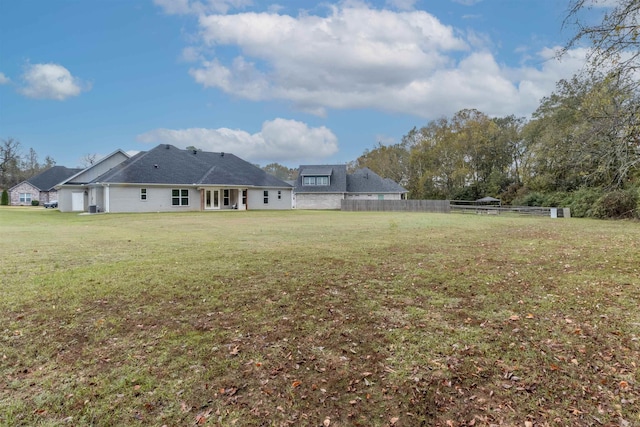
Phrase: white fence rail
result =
(438, 206)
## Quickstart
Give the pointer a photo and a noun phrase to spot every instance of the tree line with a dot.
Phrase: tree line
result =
(580, 148)
(16, 166)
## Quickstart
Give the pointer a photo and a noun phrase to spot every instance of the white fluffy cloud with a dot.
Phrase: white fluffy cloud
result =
(356, 57)
(50, 81)
(279, 140)
(4, 79)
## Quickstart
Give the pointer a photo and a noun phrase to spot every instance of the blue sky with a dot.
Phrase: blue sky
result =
(287, 81)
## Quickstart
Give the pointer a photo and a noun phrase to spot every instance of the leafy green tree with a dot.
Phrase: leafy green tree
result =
(467, 156)
(514, 145)
(583, 135)
(614, 63)
(280, 171)
(434, 162)
(4, 200)
(388, 161)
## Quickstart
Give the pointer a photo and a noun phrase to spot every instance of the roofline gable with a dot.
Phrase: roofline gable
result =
(104, 159)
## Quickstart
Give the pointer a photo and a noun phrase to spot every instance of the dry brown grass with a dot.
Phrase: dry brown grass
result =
(312, 318)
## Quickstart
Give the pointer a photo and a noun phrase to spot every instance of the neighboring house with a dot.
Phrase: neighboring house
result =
(40, 187)
(73, 193)
(168, 179)
(324, 186)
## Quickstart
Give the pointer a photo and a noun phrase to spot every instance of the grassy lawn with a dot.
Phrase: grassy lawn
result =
(317, 319)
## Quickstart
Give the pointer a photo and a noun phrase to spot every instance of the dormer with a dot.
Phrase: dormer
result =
(316, 176)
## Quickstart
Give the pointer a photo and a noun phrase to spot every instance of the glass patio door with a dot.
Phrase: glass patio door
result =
(212, 199)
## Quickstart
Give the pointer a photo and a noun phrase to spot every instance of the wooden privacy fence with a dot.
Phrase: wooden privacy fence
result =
(439, 206)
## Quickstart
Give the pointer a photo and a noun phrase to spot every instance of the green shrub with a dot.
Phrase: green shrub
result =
(4, 201)
(558, 199)
(35, 202)
(617, 204)
(583, 200)
(529, 199)
(511, 193)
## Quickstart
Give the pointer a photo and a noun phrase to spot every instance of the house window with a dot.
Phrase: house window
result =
(315, 180)
(266, 196)
(25, 197)
(143, 194)
(244, 197)
(279, 195)
(180, 197)
(225, 197)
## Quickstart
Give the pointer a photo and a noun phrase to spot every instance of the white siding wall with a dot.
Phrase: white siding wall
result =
(127, 199)
(318, 201)
(159, 199)
(99, 168)
(65, 197)
(255, 199)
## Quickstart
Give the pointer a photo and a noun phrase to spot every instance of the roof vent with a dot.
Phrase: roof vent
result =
(222, 154)
(167, 146)
(155, 166)
(195, 151)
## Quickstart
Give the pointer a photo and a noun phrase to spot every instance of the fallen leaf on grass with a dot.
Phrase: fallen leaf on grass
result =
(514, 318)
(296, 384)
(201, 418)
(326, 422)
(394, 420)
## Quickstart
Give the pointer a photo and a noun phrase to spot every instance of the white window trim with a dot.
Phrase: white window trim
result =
(312, 180)
(180, 197)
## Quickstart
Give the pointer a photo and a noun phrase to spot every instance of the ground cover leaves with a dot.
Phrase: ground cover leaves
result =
(311, 318)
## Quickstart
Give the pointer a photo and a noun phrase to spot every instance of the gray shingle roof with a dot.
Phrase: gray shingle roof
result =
(367, 181)
(337, 179)
(361, 181)
(166, 164)
(48, 179)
